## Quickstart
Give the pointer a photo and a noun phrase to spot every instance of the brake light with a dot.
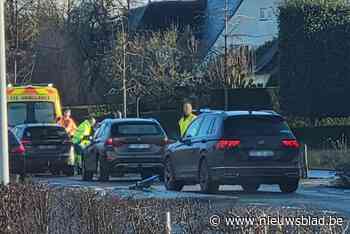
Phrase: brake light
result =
(26, 142)
(19, 150)
(227, 144)
(289, 143)
(114, 143)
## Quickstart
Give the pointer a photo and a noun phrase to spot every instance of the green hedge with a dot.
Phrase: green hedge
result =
(314, 57)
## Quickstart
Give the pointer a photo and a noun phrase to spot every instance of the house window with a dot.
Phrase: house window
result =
(266, 13)
(262, 13)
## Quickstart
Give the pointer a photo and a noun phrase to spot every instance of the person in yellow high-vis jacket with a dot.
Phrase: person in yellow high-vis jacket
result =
(81, 138)
(187, 118)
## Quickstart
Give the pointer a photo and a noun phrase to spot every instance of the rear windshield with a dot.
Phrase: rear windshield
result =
(41, 133)
(255, 127)
(12, 139)
(132, 129)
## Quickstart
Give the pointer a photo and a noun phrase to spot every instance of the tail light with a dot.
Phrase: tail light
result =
(114, 142)
(26, 142)
(290, 143)
(19, 150)
(227, 144)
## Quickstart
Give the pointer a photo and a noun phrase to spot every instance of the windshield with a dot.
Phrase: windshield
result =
(17, 113)
(46, 132)
(31, 112)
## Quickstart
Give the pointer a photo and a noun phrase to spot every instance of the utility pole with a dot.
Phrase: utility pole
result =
(124, 71)
(4, 154)
(226, 82)
(17, 40)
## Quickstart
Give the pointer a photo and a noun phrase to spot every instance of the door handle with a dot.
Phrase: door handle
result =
(204, 141)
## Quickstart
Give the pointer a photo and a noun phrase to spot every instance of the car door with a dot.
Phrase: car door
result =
(199, 143)
(101, 138)
(92, 150)
(185, 148)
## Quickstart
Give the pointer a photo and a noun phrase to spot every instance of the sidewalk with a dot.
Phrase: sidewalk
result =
(321, 174)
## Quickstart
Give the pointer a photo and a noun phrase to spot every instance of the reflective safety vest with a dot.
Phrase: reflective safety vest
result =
(68, 124)
(184, 122)
(84, 130)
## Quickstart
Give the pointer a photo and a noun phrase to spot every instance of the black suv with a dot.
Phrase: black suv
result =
(122, 146)
(246, 148)
(47, 147)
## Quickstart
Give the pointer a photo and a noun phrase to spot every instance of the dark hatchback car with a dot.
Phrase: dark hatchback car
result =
(47, 148)
(123, 146)
(238, 147)
(16, 153)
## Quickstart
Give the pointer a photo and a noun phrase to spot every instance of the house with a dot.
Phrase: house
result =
(250, 22)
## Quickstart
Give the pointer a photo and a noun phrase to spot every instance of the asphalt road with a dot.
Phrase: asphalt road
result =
(312, 194)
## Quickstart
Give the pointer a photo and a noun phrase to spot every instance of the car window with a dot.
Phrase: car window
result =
(18, 131)
(215, 124)
(17, 113)
(44, 112)
(41, 133)
(12, 139)
(137, 128)
(255, 126)
(99, 131)
(205, 127)
(192, 130)
(105, 132)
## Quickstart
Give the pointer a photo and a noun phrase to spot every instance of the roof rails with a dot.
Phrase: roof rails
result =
(207, 110)
(268, 111)
(26, 85)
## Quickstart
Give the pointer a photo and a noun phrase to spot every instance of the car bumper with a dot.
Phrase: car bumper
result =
(136, 165)
(267, 175)
(37, 164)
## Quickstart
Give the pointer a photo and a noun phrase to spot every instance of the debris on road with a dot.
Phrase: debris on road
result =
(145, 184)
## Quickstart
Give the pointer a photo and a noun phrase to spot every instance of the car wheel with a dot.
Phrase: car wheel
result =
(55, 171)
(251, 187)
(289, 186)
(169, 177)
(206, 183)
(69, 171)
(104, 172)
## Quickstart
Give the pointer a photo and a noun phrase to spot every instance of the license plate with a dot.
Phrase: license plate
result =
(261, 153)
(139, 146)
(47, 147)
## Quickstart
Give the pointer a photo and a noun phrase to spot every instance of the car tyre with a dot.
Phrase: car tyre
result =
(104, 172)
(250, 187)
(69, 171)
(55, 171)
(169, 177)
(206, 182)
(289, 186)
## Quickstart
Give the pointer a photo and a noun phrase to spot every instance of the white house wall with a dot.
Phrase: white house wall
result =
(254, 23)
